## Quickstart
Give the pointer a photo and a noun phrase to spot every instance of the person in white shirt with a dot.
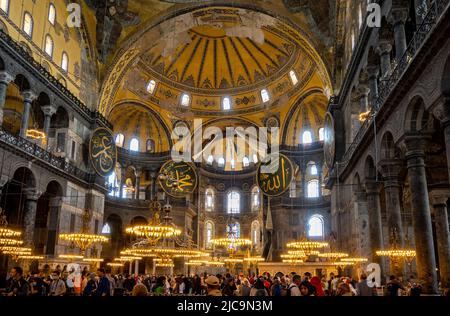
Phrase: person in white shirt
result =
(293, 289)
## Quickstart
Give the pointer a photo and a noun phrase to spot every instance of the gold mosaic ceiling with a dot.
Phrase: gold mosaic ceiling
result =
(211, 60)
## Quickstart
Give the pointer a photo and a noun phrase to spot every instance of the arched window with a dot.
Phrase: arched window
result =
(256, 199)
(321, 134)
(113, 184)
(106, 229)
(209, 234)
(255, 233)
(48, 45)
(312, 169)
(209, 200)
(210, 160)
(151, 86)
(232, 164)
(65, 62)
(4, 6)
(28, 24)
(185, 99)
(226, 103)
(120, 139)
(293, 77)
(255, 158)
(306, 137)
(234, 230)
(134, 144)
(312, 190)
(233, 205)
(245, 161)
(315, 226)
(150, 146)
(52, 14)
(265, 95)
(353, 41)
(293, 189)
(221, 162)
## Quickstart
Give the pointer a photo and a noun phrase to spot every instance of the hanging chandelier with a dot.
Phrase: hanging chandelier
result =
(396, 254)
(35, 134)
(115, 264)
(308, 247)
(355, 259)
(10, 242)
(70, 256)
(333, 256)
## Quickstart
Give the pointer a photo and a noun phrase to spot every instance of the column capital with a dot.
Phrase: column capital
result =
(439, 196)
(31, 194)
(384, 47)
(399, 13)
(373, 71)
(5, 77)
(390, 170)
(361, 195)
(363, 90)
(415, 144)
(29, 96)
(48, 110)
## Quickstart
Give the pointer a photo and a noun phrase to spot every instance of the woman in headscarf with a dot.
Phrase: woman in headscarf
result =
(315, 281)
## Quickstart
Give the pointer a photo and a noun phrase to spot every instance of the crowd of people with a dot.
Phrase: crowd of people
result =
(103, 283)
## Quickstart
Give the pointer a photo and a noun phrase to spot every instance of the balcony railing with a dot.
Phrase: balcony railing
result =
(436, 10)
(76, 104)
(33, 150)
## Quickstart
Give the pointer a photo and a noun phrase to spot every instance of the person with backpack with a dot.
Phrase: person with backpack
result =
(91, 286)
(294, 287)
(18, 286)
(58, 286)
(259, 288)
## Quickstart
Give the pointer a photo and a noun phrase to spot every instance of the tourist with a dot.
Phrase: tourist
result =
(18, 285)
(293, 289)
(139, 290)
(128, 283)
(196, 285)
(362, 288)
(91, 285)
(160, 286)
(245, 288)
(230, 287)
(343, 289)
(317, 284)
(394, 286)
(58, 286)
(258, 288)
(37, 285)
(213, 286)
(104, 286)
(306, 288)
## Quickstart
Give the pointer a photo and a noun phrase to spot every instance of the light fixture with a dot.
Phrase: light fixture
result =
(70, 256)
(333, 256)
(30, 257)
(115, 264)
(364, 116)
(35, 134)
(93, 259)
(83, 241)
(308, 247)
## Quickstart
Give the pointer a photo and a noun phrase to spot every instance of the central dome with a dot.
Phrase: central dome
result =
(212, 58)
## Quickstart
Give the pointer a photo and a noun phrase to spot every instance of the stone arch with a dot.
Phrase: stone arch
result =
(60, 119)
(47, 218)
(115, 224)
(370, 171)
(22, 82)
(137, 220)
(388, 149)
(417, 118)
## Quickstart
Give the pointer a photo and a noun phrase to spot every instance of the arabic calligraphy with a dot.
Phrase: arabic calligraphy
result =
(180, 178)
(276, 183)
(103, 152)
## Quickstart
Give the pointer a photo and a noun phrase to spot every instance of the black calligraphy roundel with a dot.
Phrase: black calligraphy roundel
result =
(178, 178)
(103, 152)
(274, 176)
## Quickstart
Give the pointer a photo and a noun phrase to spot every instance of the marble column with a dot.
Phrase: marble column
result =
(420, 205)
(123, 175)
(55, 204)
(363, 91)
(154, 178)
(137, 190)
(373, 72)
(375, 222)
(439, 201)
(28, 97)
(446, 127)
(384, 50)
(5, 79)
(29, 218)
(362, 224)
(390, 169)
(48, 110)
(398, 17)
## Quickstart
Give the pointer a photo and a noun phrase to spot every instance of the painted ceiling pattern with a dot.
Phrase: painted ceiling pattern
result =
(213, 60)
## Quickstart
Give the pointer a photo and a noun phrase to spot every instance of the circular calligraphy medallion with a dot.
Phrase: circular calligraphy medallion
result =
(274, 178)
(103, 151)
(180, 178)
(329, 144)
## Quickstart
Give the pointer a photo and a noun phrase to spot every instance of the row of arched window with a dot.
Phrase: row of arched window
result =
(134, 143)
(233, 202)
(185, 99)
(28, 27)
(221, 161)
(307, 136)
